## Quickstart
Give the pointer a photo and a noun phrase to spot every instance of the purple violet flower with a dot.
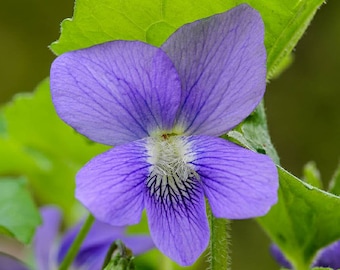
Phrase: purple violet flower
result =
(328, 257)
(94, 248)
(163, 110)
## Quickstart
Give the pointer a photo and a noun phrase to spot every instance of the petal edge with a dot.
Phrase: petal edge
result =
(111, 185)
(223, 73)
(238, 183)
(116, 92)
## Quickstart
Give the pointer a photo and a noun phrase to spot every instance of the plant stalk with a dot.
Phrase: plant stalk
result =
(72, 252)
(219, 258)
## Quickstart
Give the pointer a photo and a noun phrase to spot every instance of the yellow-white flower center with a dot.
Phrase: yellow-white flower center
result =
(172, 175)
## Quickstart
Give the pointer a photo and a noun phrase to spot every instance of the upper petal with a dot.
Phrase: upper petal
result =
(177, 218)
(45, 236)
(221, 61)
(111, 185)
(116, 92)
(238, 183)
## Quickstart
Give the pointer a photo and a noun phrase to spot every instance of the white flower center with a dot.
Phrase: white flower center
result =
(171, 176)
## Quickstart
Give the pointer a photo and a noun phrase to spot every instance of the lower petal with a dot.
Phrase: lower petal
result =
(111, 185)
(178, 222)
(238, 183)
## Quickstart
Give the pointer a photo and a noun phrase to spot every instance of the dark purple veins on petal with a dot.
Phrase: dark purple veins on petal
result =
(178, 222)
(221, 61)
(116, 92)
(171, 189)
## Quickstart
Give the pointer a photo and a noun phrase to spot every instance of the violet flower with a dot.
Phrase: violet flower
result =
(328, 257)
(93, 250)
(163, 110)
(11, 263)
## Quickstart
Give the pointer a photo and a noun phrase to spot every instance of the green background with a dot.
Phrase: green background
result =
(302, 105)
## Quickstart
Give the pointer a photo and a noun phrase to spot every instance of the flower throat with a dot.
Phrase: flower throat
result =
(172, 175)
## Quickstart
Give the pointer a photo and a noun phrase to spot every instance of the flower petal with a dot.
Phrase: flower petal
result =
(221, 61)
(329, 256)
(100, 234)
(45, 236)
(97, 243)
(116, 92)
(111, 185)
(178, 223)
(138, 243)
(92, 257)
(279, 257)
(238, 183)
(11, 263)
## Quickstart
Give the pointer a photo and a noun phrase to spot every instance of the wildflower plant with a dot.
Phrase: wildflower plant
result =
(162, 109)
(174, 90)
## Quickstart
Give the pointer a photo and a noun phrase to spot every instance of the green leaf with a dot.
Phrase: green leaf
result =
(311, 175)
(153, 21)
(39, 145)
(284, 64)
(304, 220)
(253, 134)
(285, 23)
(334, 184)
(18, 215)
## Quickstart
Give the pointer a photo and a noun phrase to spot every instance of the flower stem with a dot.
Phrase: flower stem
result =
(301, 265)
(72, 252)
(219, 242)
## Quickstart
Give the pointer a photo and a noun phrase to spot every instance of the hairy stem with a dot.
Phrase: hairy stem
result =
(219, 243)
(72, 252)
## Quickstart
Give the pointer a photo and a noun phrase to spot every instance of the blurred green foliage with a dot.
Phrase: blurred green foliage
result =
(27, 27)
(18, 214)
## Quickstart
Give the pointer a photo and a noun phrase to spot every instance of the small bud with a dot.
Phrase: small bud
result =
(119, 257)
